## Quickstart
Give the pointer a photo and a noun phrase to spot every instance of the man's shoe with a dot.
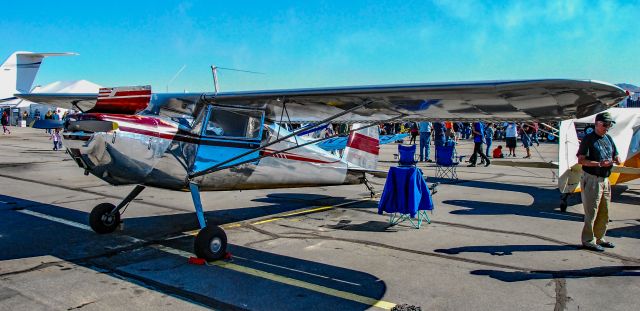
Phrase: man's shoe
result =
(429, 160)
(607, 244)
(488, 163)
(593, 247)
(471, 165)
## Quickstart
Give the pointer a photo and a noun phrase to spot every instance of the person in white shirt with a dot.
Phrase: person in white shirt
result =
(511, 138)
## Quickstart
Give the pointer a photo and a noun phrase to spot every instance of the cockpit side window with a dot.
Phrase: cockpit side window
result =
(234, 123)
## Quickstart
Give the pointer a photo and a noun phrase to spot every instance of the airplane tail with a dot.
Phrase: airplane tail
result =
(569, 172)
(363, 147)
(19, 71)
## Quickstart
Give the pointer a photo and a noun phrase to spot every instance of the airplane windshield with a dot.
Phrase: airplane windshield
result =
(234, 123)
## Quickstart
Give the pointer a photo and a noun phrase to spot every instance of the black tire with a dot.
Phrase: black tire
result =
(101, 222)
(211, 243)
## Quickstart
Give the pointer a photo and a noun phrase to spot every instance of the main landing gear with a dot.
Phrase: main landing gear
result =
(210, 243)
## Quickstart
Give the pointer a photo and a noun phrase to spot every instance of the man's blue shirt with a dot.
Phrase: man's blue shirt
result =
(478, 127)
(424, 127)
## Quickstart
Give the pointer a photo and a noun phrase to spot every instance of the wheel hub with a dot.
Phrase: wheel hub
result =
(108, 219)
(215, 245)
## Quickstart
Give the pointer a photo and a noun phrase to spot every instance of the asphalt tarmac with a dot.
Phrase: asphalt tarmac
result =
(497, 241)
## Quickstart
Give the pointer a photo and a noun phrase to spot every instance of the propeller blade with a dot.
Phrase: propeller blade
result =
(92, 126)
(48, 124)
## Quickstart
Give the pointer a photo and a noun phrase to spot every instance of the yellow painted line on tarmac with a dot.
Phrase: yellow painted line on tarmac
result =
(306, 285)
(229, 226)
(250, 271)
(310, 210)
(266, 221)
(286, 280)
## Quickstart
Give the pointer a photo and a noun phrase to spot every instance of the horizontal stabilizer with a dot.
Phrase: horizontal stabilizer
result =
(626, 170)
(553, 165)
(373, 172)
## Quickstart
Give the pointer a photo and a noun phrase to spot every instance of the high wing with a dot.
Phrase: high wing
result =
(552, 99)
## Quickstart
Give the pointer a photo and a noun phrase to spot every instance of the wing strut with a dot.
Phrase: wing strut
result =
(220, 166)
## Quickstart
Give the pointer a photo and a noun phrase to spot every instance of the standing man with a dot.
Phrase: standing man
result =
(597, 154)
(511, 133)
(438, 134)
(478, 137)
(425, 140)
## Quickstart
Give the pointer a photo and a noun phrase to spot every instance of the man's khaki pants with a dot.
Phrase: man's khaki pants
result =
(596, 196)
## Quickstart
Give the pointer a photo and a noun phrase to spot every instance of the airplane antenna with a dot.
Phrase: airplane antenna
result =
(175, 76)
(214, 72)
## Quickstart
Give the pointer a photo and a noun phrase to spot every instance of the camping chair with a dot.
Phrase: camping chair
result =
(446, 163)
(407, 155)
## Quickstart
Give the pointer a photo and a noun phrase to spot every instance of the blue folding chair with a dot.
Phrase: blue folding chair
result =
(407, 155)
(446, 163)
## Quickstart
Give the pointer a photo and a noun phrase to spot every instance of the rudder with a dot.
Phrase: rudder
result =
(363, 147)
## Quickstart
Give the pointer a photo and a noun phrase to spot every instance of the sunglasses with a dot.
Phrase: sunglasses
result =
(606, 124)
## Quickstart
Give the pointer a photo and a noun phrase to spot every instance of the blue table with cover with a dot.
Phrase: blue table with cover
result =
(406, 195)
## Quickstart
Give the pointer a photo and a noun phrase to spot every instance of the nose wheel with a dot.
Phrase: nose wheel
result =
(211, 243)
(102, 218)
(105, 217)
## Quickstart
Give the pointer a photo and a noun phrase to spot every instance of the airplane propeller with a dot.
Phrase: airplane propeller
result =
(91, 126)
(75, 126)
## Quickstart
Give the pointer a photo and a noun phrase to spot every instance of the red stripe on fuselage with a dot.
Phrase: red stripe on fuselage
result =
(294, 157)
(364, 143)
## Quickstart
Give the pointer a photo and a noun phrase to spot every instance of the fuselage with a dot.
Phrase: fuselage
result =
(161, 152)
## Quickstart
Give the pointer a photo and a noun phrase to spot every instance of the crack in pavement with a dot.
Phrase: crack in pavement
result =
(82, 305)
(41, 266)
(561, 294)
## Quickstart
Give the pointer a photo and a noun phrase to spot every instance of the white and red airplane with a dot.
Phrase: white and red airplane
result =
(233, 140)
(625, 134)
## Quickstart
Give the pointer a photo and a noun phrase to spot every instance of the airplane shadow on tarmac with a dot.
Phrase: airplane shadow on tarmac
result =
(545, 202)
(505, 250)
(24, 235)
(518, 276)
(543, 206)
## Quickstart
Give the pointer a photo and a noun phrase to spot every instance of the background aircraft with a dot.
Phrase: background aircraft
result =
(625, 134)
(18, 72)
(232, 141)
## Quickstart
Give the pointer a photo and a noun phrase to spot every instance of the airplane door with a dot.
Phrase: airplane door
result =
(228, 132)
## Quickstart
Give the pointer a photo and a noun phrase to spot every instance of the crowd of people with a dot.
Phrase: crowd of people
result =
(54, 134)
(483, 136)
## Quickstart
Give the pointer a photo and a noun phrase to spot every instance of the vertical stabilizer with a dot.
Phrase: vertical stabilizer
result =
(19, 71)
(363, 147)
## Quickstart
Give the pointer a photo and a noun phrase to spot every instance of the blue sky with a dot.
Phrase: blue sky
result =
(325, 43)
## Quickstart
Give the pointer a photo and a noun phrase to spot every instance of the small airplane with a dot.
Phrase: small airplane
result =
(625, 134)
(236, 140)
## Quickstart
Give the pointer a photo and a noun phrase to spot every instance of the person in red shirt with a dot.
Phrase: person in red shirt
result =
(497, 152)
